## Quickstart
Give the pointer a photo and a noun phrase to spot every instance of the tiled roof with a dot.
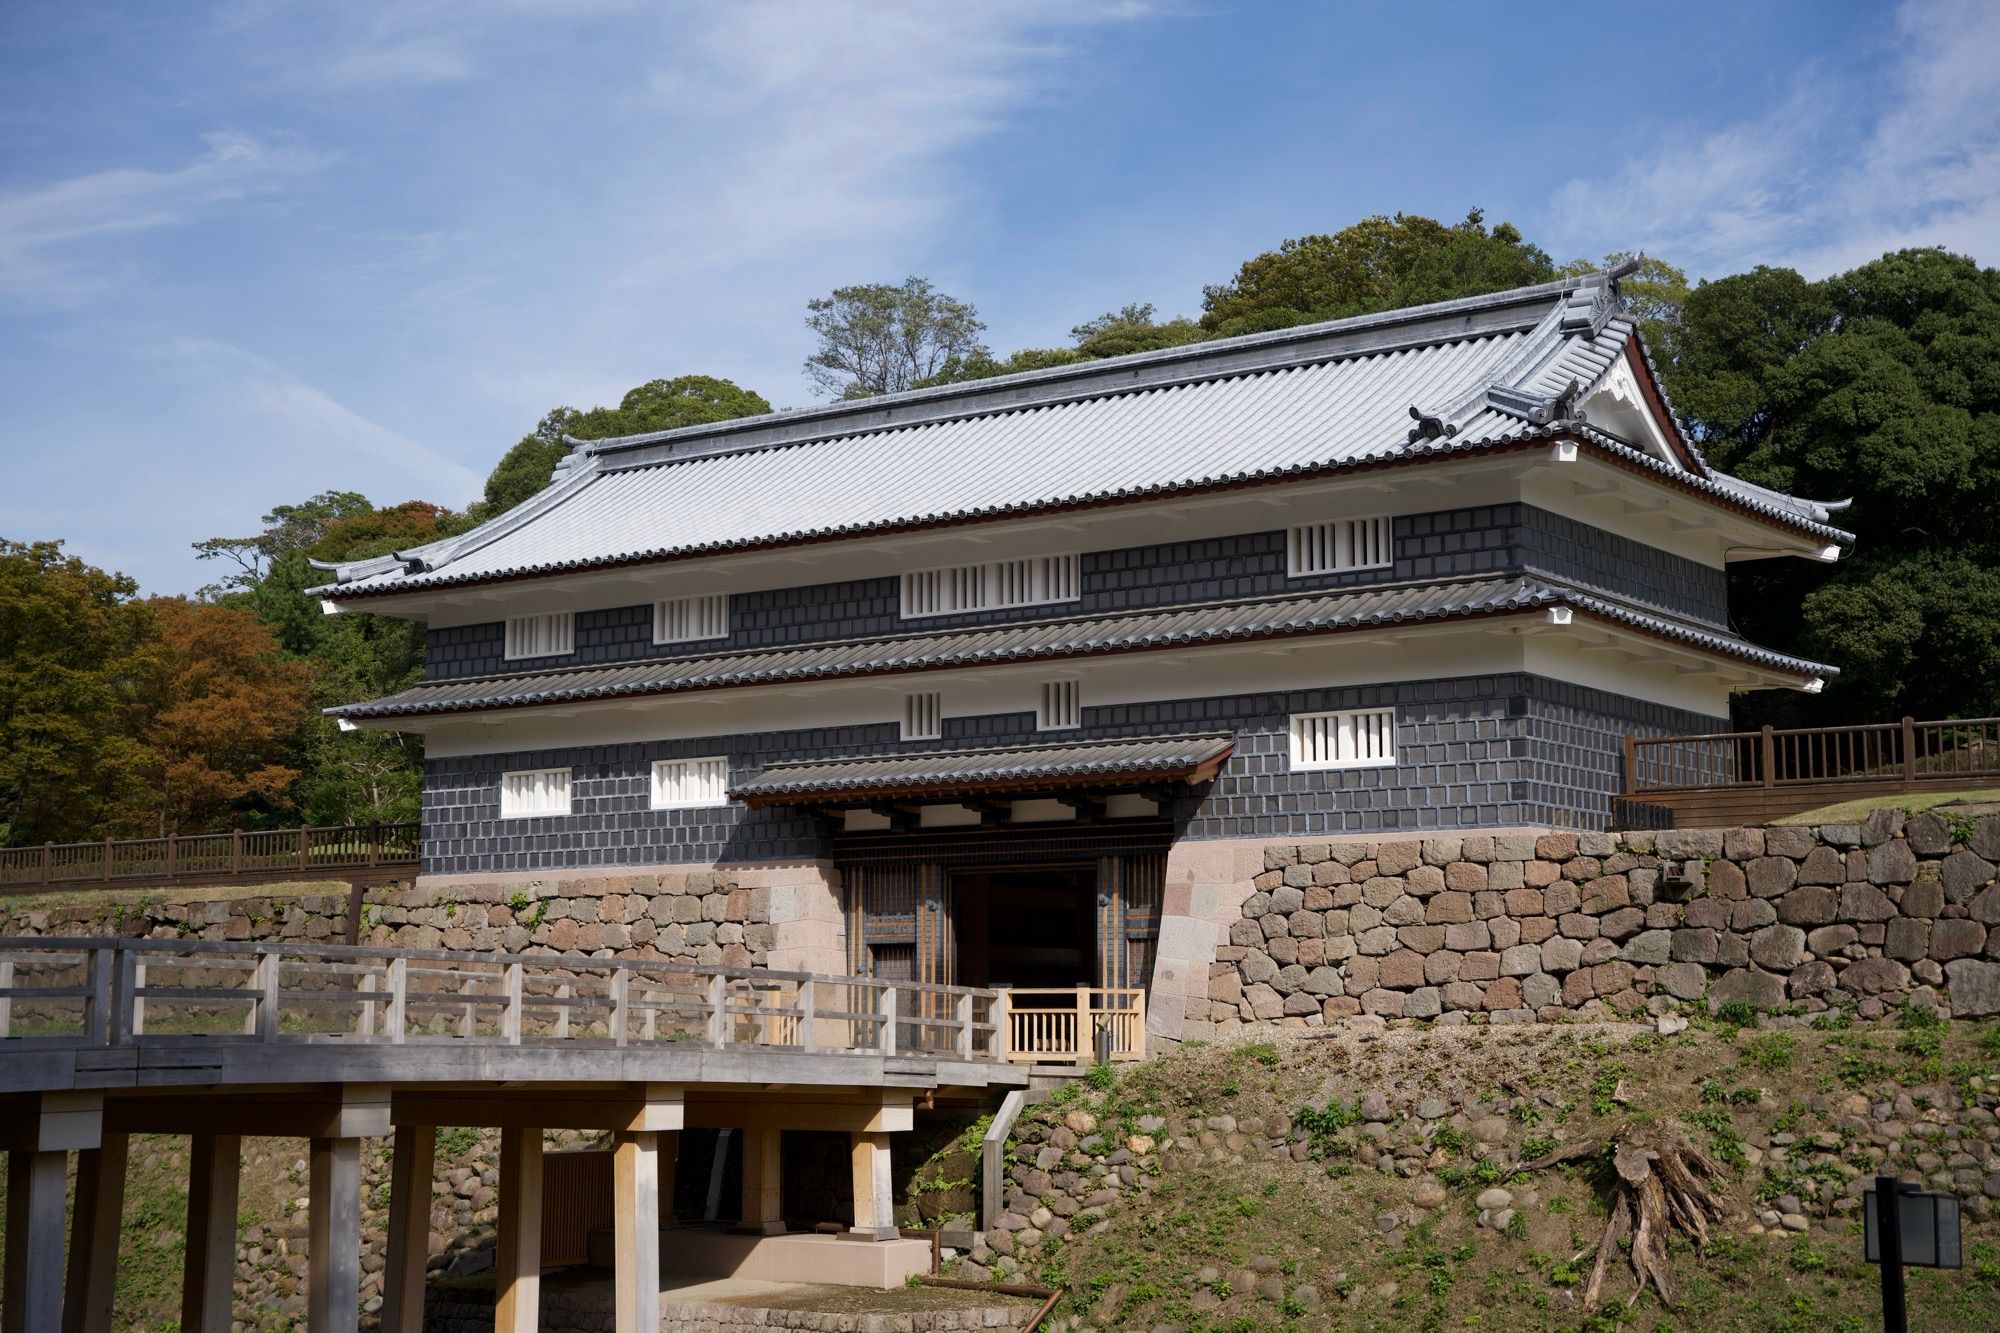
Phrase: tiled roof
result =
(1053, 638)
(1021, 768)
(1308, 400)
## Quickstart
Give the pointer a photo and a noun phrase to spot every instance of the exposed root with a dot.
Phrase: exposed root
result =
(1663, 1186)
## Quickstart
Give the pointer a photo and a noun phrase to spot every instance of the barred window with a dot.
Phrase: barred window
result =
(1030, 581)
(685, 619)
(923, 716)
(1357, 738)
(551, 635)
(536, 791)
(1343, 544)
(678, 783)
(1061, 706)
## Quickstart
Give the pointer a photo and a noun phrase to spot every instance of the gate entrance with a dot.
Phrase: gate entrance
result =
(1033, 927)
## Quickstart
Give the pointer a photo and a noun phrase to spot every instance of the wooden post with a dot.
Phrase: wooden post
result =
(333, 1241)
(107, 858)
(33, 1297)
(888, 1034)
(1909, 750)
(397, 1018)
(267, 996)
(1084, 1053)
(6, 1000)
(1631, 764)
(48, 862)
(518, 1263)
(208, 1270)
(94, 1235)
(97, 1021)
(510, 1023)
(410, 1178)
(874, 1194)
(375, 843)
(763, 1183)
(636, 1271)
(718, 1017)
(304, 855)
(173, 854)
(621, 1006)
(807, 1003)
(1770, 757)
(236, 851)
(965, 1026)
(1003, 1028)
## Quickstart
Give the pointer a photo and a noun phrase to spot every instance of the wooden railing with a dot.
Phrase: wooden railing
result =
(1909, 752)
(117, 992)
(259, 854)
(1073, 1026)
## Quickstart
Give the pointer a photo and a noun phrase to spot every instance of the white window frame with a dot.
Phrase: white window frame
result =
(994, 585)
(689, 784)
(1340, 545)
(691, 619)
(549, 635)
(1345, 738)
(923, 716)
(517, 786)
(1059, 707)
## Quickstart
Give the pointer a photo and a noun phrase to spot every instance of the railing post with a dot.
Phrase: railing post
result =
(965, 1026)
(128, 1020)
(1909, 749)
(806, 1004)
(236, 851)
(718, 1032)
(1084, 1035)
(399, 997)
(375, 843)
(621, 1009)
(48, 862)
(563, 993)
(887, 1038)
(97, 1020)
(511, 1024)
(107, 858)
(1770, 756)
(6, 1000)
(1631, 764)
(1003, 1027)
(173, 854)
(267, 996)
(304, 856)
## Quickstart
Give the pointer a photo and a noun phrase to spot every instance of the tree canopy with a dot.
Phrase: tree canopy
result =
(885, 337)
(1376, 264)
(1881, 384)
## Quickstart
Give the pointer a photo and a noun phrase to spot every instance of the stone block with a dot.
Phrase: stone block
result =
(1606, 893)
(1791, 840)
(1892, 863)
(1770, 876)
(1748, 984)
(1421, 939)
(1928, 834)
(1295, 877)
(1534, 929)
(1275, 927)
(1462, 996)
(1864, 902)
(1727, 880)
(1452, 907)
(1524, 902)
(1823, 865)
(1318, 897)
(1465, 877)
(1812, 905)
(1425, 880)
(1503, 994)
(1442, 851)
(1504, 875)
(1556, 846)
(1303, 925)
(1470, 935)
(1963, 874)
(1257, 967)
(1362, 974)
(1881, 825)
(1378, 941)
(1652, 948)
(1441, 966)
(1540, 990)
(1599, 951)
(1560, 897)
(1577, 926)
(1513, 846)
(1506, 931)
(1627, 922)
(1923, 898)
(1974, 987)
(1561, 955)
(1378, 891)
(1287, 900)
(1957, 938)
(1402, 969)
(1423, 1002)
(1712, 913)
(1831, 939)
(1536, 874)
(1741, 844)
(1986, 907)
(1479, 965)
(1578, 989)
(1692, 944)
(1779, 948)
(1279, 855)
(1405, 911)
(1396, 858)
(1387, 1003)
(1752, 914)
(1263, 1003)
(1814, 978)
(1683, 981)
(1875, 976)
(1907, 938)
(1290, 977)
(1520, 961)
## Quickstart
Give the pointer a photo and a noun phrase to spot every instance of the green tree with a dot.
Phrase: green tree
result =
(1655, 293)
(1115, 333)
(72, 643)
(688, 400)
(1378, 263)
(1881, 384)
(883, 337)
(286, 528)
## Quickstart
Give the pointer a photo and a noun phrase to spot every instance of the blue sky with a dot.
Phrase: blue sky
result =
(255, 250)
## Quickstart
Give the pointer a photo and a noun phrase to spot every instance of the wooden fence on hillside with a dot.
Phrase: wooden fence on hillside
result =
(1751, 776)
(356, 853)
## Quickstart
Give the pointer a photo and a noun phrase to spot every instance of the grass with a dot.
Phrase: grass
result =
(1910, 803)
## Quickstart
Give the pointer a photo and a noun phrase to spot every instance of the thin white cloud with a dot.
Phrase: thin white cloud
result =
(302, 422)
(1838, 173)
(46, 230)
(433, 58)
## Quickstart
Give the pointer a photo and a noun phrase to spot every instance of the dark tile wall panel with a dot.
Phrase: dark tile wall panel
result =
(1592, 557)
(1479, 540)
(1472, 752)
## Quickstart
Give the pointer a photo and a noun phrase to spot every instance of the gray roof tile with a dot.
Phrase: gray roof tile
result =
(1073, 763)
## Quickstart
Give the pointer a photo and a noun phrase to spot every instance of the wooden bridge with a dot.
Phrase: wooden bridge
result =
(1748, 777)
(361, 854)
(104, 1038)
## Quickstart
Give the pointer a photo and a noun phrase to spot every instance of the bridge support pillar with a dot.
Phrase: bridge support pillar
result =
(518, 1276)
(763, 1184)
(93, 1236)
(641, 1166)
(208, 1272)
(410, 1178)
(874, 1195)
(33, 1299)
(333, 1271)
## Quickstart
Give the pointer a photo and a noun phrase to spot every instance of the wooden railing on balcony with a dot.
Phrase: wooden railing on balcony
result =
(335, 852)
(1754, 775)
(1076, 1025)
